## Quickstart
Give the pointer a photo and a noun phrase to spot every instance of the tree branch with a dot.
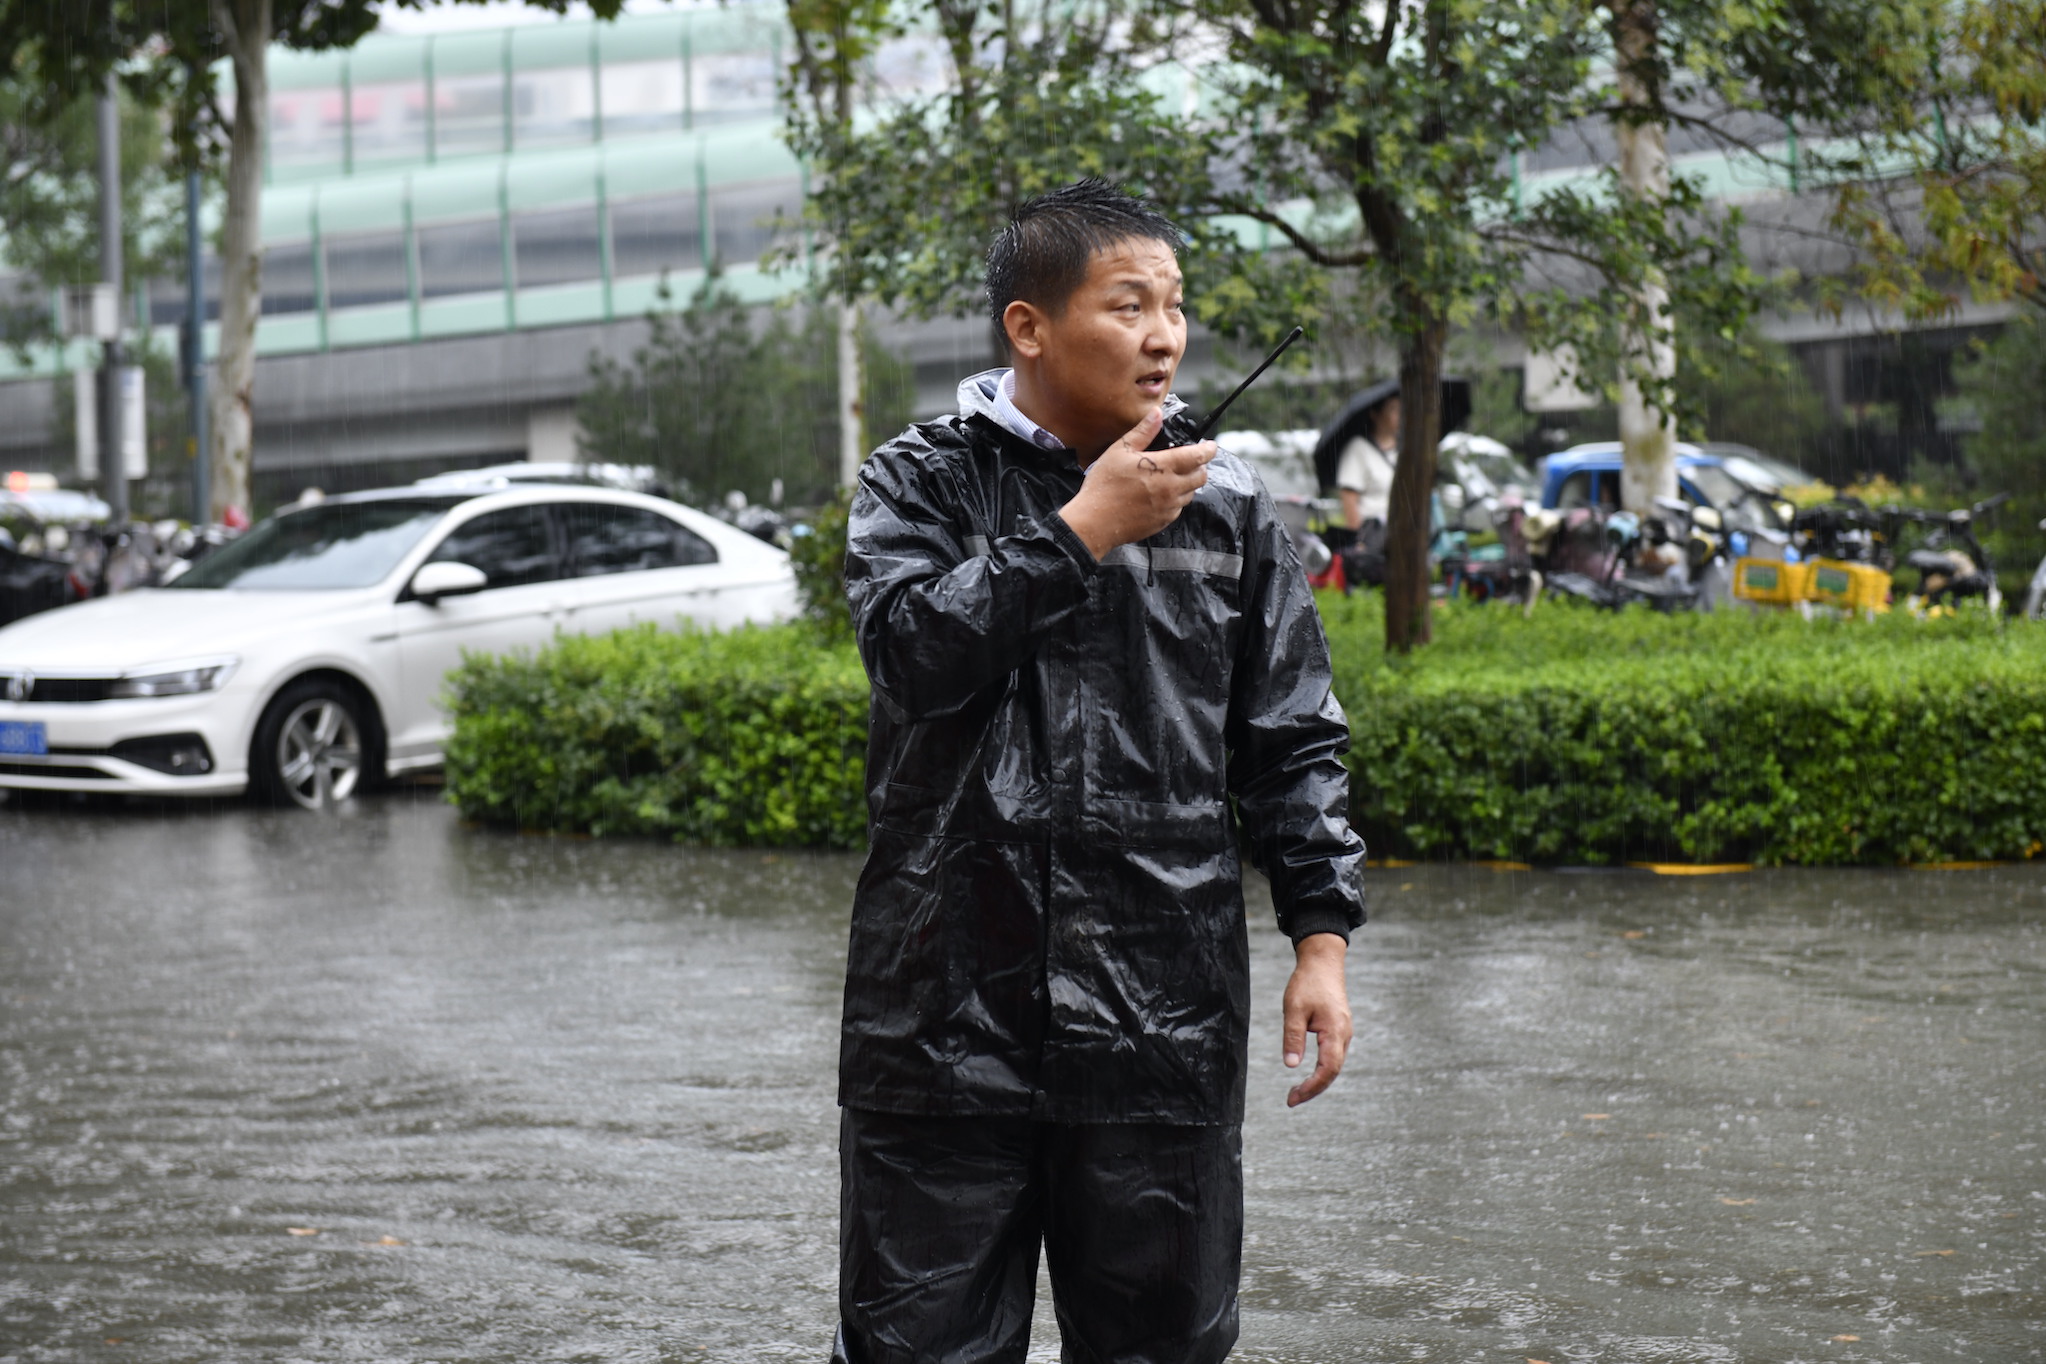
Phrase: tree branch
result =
(1305, 244)
(1388, 30)
(224, 20)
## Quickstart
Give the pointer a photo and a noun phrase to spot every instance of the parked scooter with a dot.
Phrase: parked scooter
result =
(1672, 559)
(1952, 565)
(1504, 571)
(44, 566)
(2035, 595)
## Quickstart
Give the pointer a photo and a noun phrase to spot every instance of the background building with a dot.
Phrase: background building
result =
(455, 221)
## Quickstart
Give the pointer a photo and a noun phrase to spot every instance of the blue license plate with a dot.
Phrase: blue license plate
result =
(24, 736)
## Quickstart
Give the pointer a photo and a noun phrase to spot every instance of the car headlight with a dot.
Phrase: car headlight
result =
(174, 679)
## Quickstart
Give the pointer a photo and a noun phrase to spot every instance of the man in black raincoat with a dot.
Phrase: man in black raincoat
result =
(1085, 638)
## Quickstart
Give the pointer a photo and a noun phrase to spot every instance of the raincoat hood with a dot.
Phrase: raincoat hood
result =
(1065, 759)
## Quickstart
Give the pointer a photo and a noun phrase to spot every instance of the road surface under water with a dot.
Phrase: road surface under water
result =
(381, 1087)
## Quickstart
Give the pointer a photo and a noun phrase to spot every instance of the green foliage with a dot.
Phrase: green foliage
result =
(1751, 390)
(49, 205)
(818, 559)
(752, 737)
(1574, 737)
(2003, 384)
(1374, 147)
(168, 53)
(1958, 202)
(716, 403)
(1580, 737)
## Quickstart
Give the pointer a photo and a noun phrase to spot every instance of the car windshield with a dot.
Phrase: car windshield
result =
(1745, 507)
(323, 548)
(1503, 470)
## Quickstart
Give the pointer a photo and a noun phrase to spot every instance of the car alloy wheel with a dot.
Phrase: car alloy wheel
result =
(319, 753)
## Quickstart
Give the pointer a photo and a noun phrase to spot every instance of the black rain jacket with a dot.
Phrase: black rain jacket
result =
(1050, 921)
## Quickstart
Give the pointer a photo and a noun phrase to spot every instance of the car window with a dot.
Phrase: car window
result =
(325, 547)
(512, 547)
(609, 539)
(1575, 492)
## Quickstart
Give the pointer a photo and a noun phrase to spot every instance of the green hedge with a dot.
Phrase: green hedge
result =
(1582, 737)
(754, 737)
(1574, 737)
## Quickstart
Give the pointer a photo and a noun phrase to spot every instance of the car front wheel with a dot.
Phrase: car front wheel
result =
(311, 746)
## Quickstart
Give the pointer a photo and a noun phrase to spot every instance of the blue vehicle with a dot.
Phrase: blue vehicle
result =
(1747, 493)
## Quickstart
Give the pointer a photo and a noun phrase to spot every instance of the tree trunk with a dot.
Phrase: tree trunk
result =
(852, 435)
(1648, 356)
(246, 26)
(1407, 621)
(852, 371)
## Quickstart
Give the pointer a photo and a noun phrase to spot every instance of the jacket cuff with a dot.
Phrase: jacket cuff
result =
(1305, 923)
(1066, 539)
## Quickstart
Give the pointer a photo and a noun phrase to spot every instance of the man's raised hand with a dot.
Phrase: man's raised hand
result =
(1133, 493)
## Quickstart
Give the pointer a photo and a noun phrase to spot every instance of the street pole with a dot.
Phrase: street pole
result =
(113, 472)
(195, 351)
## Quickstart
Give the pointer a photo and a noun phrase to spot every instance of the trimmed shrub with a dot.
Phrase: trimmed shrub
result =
(754, 737)
(1574, 737)
(1589, 738)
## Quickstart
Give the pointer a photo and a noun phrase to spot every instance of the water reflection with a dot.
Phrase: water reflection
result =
(528, 1090)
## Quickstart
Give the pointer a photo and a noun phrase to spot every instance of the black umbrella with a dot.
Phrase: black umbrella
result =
(1355, 420)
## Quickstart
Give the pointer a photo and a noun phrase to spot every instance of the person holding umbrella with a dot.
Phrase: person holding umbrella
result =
(1365, 467)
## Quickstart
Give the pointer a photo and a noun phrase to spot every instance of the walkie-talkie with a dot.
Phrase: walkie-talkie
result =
(1214, 416)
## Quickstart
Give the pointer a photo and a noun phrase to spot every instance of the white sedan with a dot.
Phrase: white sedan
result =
(308, 656)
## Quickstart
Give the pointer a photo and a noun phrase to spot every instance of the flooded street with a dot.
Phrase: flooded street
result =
(382, 1087)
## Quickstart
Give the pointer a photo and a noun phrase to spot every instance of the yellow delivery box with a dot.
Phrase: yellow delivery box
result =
(1769, 580)
(1855, 587)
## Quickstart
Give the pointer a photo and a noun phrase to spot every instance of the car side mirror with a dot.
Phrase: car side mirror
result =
(434, 581)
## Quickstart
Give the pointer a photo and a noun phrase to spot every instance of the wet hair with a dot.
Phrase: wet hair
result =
(1041, 257)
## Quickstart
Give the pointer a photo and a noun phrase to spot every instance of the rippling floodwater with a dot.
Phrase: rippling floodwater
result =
(380, 1087)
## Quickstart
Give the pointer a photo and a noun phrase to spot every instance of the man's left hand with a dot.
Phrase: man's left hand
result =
(1318, 1002)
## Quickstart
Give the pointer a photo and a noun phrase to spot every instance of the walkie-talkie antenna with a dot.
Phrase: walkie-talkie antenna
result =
(1208, 425)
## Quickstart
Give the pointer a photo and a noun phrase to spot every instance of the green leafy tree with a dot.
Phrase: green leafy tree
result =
(165, 53)
(49, 204)
(1956, 200)
(835, 40)
(818, 557)
(1752, 391)
(2002, 384)
(1374, 144)
(720, 405)
(1741, 76)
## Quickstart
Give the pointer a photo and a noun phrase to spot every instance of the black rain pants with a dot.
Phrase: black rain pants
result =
(941, 1219)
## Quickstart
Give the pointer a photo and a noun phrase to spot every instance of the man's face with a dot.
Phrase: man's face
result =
(1109, 357)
